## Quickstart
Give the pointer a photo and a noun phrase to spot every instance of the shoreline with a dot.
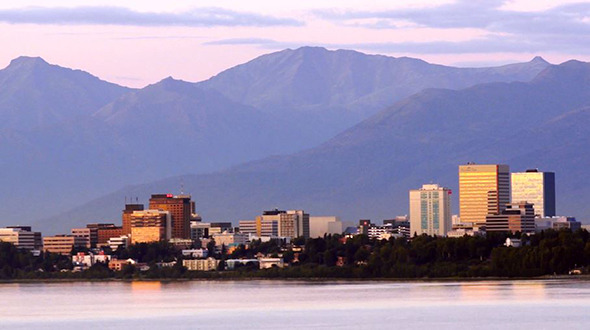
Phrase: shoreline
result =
(310, 279)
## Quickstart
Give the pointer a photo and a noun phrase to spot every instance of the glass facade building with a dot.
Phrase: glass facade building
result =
(430, 210)
(483, 190)
(537, 188)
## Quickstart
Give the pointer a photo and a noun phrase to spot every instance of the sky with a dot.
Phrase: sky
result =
(139, 42)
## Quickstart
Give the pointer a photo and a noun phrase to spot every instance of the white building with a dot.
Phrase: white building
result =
(84, 260)
(118, 242)
(430, 210)
(196, 253)
(326, 225)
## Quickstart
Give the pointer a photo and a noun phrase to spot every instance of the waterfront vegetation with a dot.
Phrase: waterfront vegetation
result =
(546, 253)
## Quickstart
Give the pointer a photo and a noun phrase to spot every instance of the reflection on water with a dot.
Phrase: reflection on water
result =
(296, 304)
(145, 286)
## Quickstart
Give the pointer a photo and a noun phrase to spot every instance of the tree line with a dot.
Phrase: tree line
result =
(334, 256)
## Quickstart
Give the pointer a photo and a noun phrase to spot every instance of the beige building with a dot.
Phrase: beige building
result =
(249, 227)
(63, 244)
(328, 225)
(483, 190)
(201, 264)
(430, 210)
(84, 233)
(150, 226)
(229, 239)
(292, 223)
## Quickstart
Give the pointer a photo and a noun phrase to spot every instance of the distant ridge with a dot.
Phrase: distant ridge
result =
(367, 170)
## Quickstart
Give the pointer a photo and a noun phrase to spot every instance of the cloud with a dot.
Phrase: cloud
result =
(487, 15)
(243, 41)
(199, 17)
(486, 45)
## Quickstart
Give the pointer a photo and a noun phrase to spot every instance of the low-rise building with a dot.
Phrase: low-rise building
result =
(208, 264)
(83, 233)
(86, 260)
(513, 242)
(557, 223)
(22, 237)
(63, 244)
(195, 253)
(230, 239)
(105, 233)
(271, 262)
(466, 228)
(199, 230)
(120, 242)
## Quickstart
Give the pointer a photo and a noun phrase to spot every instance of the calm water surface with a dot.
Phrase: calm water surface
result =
(539, 304)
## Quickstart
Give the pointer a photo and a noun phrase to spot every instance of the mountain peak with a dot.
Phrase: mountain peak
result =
(27, 61)
(539, 59)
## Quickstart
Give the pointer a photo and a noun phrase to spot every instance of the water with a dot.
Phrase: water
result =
(538, 304)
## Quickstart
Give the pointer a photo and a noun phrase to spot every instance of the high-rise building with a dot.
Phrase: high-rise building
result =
(483, 190)
(537, 188)
(126, 216)
(180, 208)
(430, 210)
(150, 226)
(516, 217)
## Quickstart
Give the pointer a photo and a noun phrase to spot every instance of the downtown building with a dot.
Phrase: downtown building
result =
(150, 226)
(515, 217)
(22, 237)
(181, 209)
(63, 244)
(537, 188)
(278, 223)
(430, 210)
(483, 190)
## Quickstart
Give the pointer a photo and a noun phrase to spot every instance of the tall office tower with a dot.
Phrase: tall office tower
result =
(483, 190)
(537, 188)
(126, 217)
(180, 208)
(430, 210)
(516, 217)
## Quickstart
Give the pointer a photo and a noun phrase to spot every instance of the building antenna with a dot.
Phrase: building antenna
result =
(182, 186)
(125, 200)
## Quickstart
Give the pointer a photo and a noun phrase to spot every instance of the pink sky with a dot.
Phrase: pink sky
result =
(148, 44)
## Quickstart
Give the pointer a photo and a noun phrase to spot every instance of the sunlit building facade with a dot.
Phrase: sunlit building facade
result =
(537, 188)
(430, 210)
(483, 190)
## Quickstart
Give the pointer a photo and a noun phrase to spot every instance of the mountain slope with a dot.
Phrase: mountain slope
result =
(367, 170)
(332, 90)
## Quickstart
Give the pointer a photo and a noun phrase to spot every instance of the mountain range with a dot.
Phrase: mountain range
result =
(68, 137)
(367, 170)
